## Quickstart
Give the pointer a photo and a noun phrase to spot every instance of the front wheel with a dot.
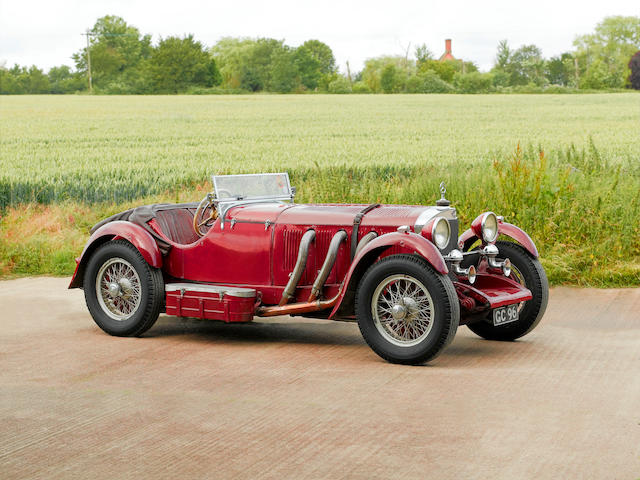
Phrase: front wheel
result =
(123, 292)
(407, 312)
(528, 272)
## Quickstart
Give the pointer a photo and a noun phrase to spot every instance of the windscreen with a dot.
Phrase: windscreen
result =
(261, 185)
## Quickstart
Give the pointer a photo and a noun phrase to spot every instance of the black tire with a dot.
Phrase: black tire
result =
(416, 273)
(535, 279)
(145, 292)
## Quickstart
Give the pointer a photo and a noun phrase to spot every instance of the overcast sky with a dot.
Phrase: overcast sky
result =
(47, 32)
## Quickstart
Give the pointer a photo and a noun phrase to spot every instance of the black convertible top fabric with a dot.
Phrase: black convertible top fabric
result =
(143, 214)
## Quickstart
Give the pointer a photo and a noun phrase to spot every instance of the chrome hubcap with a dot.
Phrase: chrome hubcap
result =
(118, 289)
(398, 312)
(402, 310)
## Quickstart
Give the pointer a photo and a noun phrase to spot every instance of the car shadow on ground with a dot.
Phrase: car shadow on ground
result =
(325, 333)
(463, 347)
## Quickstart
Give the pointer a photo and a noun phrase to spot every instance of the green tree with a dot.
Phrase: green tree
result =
(232, 58)
(315, 62)
(388, 79)
(37, 81)
(309, 68)
(63, 80)
(474, 82)
(283, 74)
(372, 72)
(20, 80)
(261, 58)
(117, 51)
(255, 65)
(604, 55)
(178, 63)
(526, 65)
(503, 55)
(422, 54)
(340, 85)
(10, 81)
(634, 67)
(445, 70)
(558, 70)
(427, 82)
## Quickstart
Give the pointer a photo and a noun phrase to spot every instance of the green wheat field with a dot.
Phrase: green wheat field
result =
(564, 167)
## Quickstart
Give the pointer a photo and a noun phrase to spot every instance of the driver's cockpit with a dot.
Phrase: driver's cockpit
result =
(233, 190)
(187, 223)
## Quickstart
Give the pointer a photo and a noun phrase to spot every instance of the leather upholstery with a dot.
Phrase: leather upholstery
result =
(177, 225)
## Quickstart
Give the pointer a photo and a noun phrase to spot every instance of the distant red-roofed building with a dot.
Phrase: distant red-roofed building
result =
(447, 55)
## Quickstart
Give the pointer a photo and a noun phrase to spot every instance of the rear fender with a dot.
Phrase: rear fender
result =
(134, 234)
(368, 255)
(468, 238)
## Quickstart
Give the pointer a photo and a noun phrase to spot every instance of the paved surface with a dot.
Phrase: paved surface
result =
(293, 398)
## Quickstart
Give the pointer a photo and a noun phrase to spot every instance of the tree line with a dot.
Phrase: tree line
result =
(121, 60)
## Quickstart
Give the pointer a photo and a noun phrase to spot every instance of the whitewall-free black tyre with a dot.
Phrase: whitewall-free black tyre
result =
(526, 270)
(123, 292)
(407, 312)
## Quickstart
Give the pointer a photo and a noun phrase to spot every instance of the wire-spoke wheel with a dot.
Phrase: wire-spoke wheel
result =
(528, 272)
(407, 312)
(123, 292)
(402, 310)
(118, 289)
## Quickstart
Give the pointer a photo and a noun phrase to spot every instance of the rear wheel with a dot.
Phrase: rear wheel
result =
(528, 272)
(407, 312)
(123, 292)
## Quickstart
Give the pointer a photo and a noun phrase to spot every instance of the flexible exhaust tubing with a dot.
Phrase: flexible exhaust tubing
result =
(313, 305)
(301, 264)
(329, 261)
(366, 239)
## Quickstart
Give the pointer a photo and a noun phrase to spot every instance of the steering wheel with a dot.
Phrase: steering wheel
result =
(201, 218)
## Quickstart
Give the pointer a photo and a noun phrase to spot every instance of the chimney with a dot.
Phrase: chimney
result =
(447, 46)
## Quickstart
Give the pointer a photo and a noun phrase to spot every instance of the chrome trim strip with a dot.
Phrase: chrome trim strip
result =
(205, 288)
(429, 213)
(426, 215)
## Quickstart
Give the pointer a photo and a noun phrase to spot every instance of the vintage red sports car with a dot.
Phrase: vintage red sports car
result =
(248, 250)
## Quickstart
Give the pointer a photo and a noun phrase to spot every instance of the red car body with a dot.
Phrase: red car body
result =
(243, 264)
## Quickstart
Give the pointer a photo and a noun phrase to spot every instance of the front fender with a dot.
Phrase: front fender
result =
(506, 229)
(134, 234)
(375, 247)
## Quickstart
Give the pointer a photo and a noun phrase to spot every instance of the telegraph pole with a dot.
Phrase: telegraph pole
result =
(87, 34)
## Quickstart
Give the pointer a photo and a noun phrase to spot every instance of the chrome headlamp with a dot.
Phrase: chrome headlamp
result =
(441, 233)
(489, 227)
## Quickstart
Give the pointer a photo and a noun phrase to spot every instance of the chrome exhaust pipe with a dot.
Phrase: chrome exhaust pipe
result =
(301, 264)
(329, 261)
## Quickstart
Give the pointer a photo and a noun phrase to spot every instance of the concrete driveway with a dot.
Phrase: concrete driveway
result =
(294, 398)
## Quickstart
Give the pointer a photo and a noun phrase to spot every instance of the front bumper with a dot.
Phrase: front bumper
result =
(487, 293)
